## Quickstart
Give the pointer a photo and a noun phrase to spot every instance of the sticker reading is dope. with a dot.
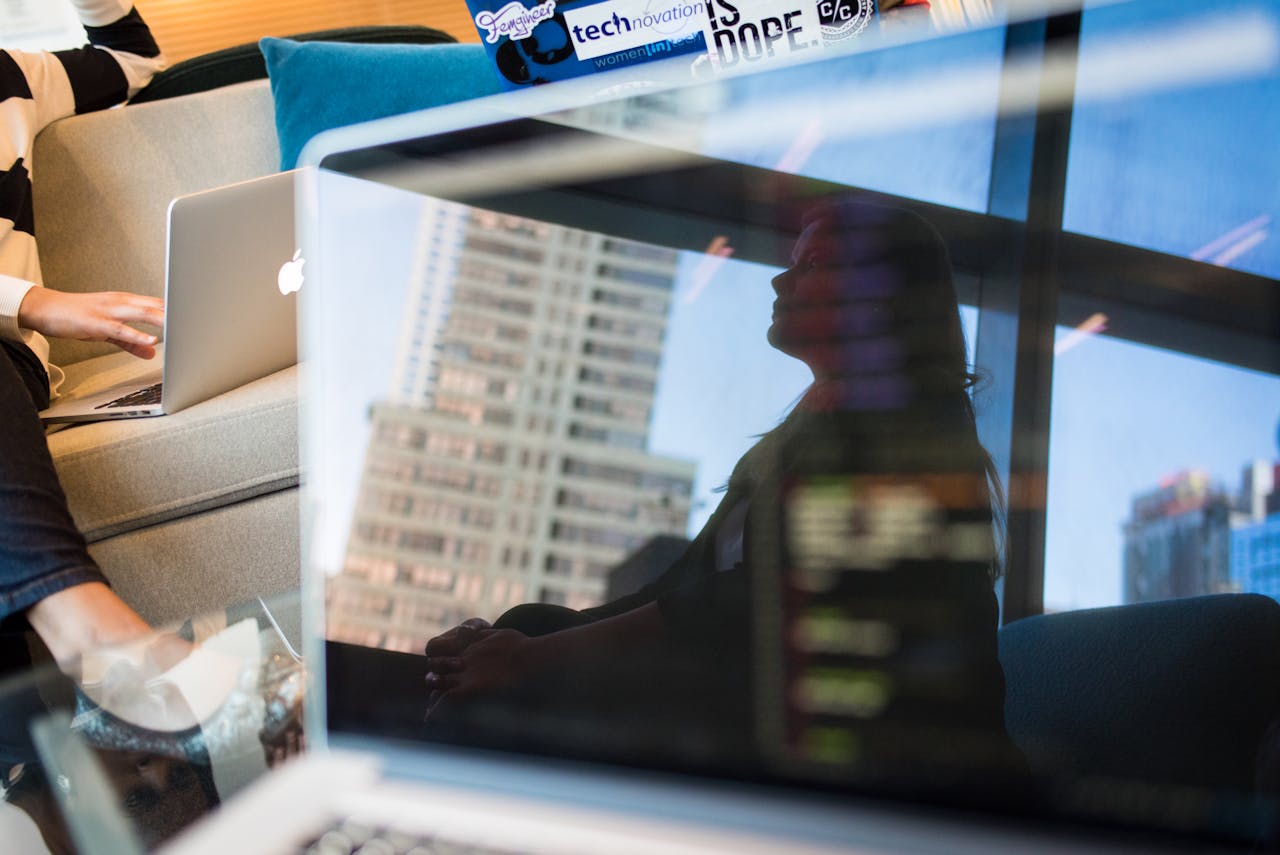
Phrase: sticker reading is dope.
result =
(748, 31)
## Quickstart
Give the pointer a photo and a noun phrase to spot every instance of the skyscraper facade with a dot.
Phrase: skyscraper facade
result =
(1255, 557)
(1255, 535)
(510, 462)
(1176, 540)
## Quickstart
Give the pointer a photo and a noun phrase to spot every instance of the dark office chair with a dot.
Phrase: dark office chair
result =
(1178, 692)
(244, 62)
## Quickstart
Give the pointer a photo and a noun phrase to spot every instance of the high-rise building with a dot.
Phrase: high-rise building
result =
(1255, 557)
(1176, 540)
(1259, 497)
(510, 462)
(1255, 531)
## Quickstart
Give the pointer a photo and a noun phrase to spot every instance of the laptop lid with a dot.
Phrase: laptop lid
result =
(232, 274)
(672, 391)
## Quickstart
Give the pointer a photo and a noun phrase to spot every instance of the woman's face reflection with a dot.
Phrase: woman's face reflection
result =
(805, 312)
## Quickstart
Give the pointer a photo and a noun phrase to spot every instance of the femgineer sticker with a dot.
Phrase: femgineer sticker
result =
(513, 20)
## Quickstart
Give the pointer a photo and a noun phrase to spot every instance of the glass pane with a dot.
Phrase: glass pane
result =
(1151, 480)
(1190, 171)
(564, 373)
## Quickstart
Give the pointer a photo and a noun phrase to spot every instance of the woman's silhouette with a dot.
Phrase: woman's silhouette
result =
(686, 670)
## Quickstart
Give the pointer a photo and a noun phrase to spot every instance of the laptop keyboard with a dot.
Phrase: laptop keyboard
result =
(348, 837)
(142, 397)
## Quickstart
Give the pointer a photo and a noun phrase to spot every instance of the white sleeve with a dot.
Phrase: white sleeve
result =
(12, 292)
(99, 13)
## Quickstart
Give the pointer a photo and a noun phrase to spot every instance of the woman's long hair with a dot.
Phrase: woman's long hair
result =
(885, 341)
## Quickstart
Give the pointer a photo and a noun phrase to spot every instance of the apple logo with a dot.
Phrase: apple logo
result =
(290, 278)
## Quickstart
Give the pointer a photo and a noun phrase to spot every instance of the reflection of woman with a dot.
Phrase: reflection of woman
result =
(869, 307)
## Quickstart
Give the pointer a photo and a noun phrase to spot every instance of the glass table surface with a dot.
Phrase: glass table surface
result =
(136, 743)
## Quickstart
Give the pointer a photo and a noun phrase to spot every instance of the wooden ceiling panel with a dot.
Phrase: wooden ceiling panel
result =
(187, 28)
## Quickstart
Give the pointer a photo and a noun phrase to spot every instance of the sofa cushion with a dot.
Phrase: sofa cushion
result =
(323, 85)
(201, 563)
(124, 475)
(1176, 691)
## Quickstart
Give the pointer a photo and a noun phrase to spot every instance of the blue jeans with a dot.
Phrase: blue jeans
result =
(41, 550)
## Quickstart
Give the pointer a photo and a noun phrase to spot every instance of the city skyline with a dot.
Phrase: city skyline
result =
(510, 460)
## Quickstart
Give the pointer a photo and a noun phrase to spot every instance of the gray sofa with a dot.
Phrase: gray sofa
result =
(198, 510)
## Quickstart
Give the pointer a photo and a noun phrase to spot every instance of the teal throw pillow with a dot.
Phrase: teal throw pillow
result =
(323, 85)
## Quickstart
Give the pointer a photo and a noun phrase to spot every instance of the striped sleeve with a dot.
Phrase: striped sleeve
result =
(120, 59)
(37, 88)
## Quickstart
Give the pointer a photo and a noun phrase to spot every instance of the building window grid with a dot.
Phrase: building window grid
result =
(618, 296)
(486, 328)
(627, 353)
(632, 275)
(474, 296)
(621, 328)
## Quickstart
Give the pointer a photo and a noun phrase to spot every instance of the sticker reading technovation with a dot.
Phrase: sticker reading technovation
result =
(621, 25)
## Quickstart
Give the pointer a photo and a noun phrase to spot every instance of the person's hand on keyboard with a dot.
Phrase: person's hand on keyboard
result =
(107, 316)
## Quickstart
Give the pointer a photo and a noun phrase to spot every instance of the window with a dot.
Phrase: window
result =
(592, 536)
(615, 506)
(629, 410)
(473, 296)
(601, 471)
(631, 355)
(643, 251)
(632, 276)
(464, 324)
(616, 379)
(608, 436)
(477, 270)
(653, 305)
(504, 250)
(1162, 453)
(1181, 170)
(1152, 460)
(629, 328)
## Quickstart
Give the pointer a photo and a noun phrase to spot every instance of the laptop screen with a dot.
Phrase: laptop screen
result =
(657, 432)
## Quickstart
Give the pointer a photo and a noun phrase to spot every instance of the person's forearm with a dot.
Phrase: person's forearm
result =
(623, 635)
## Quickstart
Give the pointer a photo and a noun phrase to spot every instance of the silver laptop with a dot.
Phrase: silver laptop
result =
(231, 276)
